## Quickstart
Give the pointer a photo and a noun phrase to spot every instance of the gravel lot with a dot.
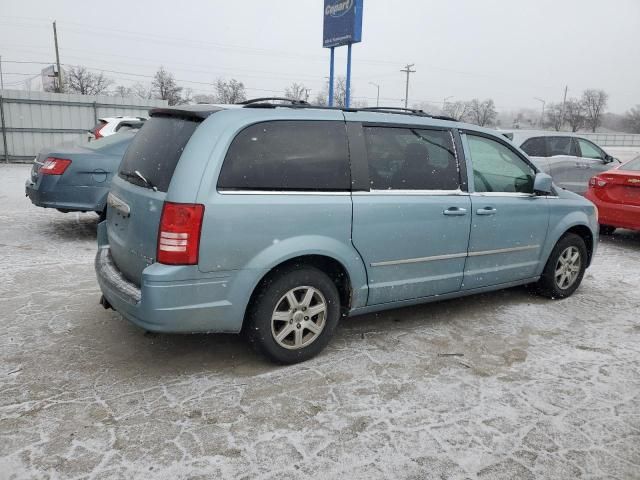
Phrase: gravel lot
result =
(536, 388)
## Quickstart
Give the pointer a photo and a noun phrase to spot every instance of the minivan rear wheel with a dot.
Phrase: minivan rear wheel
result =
(293, 315)
(565, 268)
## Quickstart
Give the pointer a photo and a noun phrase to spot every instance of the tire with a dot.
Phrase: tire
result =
(607, 229)
(562, 275)
(273, 313)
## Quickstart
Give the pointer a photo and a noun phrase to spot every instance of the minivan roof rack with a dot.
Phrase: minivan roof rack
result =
(405, 111)
(394, 109)
(265, 102)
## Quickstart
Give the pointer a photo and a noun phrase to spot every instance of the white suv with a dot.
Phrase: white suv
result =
(110, 125)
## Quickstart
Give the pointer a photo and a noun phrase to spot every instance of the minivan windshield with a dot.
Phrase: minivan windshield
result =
(156, 150)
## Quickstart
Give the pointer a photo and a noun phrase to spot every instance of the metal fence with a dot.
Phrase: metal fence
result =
(613, 139)
(33, 120)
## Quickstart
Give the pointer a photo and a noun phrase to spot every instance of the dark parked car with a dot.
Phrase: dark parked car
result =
(77, 178)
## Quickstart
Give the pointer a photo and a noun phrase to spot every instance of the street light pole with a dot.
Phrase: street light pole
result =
(378, 95)
(543, 104)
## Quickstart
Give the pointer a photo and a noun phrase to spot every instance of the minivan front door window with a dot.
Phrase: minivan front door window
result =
(496, 168)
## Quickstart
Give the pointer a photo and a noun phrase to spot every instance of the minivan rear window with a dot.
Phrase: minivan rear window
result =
(155, 151)
(288, 155)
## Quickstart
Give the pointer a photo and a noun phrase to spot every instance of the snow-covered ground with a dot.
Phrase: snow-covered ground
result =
(536, 388)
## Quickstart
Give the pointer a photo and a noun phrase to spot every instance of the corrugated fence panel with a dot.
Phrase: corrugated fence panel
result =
(34, 120)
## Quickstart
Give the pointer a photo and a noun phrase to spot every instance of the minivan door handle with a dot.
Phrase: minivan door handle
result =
(486, 211)
(455, 211)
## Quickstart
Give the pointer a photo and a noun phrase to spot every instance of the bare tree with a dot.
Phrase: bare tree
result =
(340, 92)
(297, 91)
(230, 92)
(166, 88)
(482, 113)
(595, 102)
(142, 91)
(321, 99)
(554, 114)
(632, 120)
(80, 80)
(123, 91)
(574, 114)
(204, 98)
(457, 110)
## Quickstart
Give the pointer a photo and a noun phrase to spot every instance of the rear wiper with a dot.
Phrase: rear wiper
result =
(147, 182)
(137, 174)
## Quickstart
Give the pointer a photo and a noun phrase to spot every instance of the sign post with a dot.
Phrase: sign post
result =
(342, 26)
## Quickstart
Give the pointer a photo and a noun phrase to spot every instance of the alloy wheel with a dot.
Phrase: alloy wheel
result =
(568, 268)
(299, 317)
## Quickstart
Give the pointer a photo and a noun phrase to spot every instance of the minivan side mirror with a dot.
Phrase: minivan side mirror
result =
(542, 184)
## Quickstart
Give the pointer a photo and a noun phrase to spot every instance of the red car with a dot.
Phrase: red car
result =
(616, 193)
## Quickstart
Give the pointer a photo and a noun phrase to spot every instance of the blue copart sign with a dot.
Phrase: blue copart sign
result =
(342, 22)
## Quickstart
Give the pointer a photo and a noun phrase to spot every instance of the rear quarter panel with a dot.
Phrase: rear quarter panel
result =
(257, 231)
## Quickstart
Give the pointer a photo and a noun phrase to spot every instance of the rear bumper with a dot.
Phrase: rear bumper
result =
(616, 215)
(175, 299)
(46, 192)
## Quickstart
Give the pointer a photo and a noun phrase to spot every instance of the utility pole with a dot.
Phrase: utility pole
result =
(378, 95)
(55, 39)
(542, 116)
(1, 79)
(444, 102)
(407, 70)
(564, 101)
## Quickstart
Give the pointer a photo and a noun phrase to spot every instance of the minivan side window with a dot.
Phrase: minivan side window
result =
(497, 168)
(535, 147)
(561, 146)
(411, 159)
(589, 150)
(288, 155)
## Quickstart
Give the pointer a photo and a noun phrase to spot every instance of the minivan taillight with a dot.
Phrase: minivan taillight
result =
(179, 233)
(54, 166)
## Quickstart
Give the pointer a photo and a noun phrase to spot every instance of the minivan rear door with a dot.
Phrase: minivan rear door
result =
(138, 191)
(411, 218)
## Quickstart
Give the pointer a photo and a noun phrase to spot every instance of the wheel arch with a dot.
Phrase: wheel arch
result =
(586, 234)
(332, 267)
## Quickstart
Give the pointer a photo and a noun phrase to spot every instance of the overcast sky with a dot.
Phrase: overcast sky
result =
(508, 50)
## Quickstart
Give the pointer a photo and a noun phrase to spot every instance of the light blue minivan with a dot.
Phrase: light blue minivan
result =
(277, 219)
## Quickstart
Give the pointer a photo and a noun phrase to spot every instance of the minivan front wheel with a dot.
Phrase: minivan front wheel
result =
(565, 268)
(293, 315)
